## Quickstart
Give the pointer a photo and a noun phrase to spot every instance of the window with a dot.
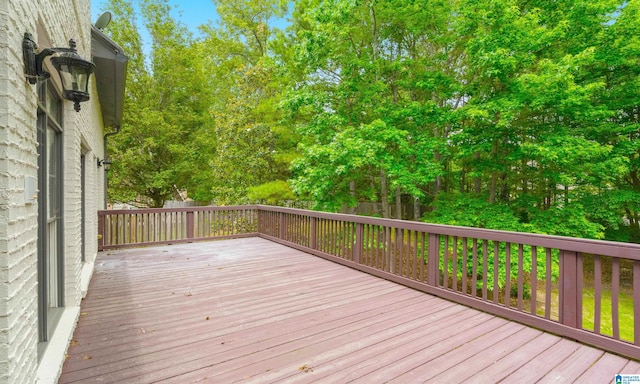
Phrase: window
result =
(50, 210)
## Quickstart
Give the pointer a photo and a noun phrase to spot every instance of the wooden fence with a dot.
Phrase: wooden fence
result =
(587, 290)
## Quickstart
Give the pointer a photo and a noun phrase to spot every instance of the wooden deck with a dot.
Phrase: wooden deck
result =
(250, 310)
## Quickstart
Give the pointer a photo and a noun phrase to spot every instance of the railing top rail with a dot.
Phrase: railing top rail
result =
(601, 247)
(206, 208)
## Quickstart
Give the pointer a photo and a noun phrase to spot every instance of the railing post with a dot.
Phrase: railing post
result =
(569, 308)
(357, 252)
(101, 230)
(313, 235)
(190, 224)
(636, 302)
(433, 259)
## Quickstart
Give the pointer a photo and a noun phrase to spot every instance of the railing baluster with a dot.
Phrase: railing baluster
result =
(465, 270)
(376, 244)
(132, 228)
(400, 250)
(366, 245)
(383, 248)
(548, 275)
(474, 268)
(282, 232)
(337, 236)
(326, 236)
(331, 237)
(507, 267)
(636, 302)
(445, 277)
(190, 225)
(485, 270)
(433, 261)
(387, 249)
(496, 271)
(313, 234)
(579, 288)
(343, 231)
(163, 226)
(415, 255)
(454, 265)
(597, 313)
(357, 254)
(348, 240)
(101, 230)
(615, 291)
(332, 244)
(423, 240)
(520, 276)
(534, 279)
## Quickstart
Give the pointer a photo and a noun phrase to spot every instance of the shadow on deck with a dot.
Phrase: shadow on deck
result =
(251, 310)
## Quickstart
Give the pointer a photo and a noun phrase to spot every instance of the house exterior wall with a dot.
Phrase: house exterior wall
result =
(52, 23)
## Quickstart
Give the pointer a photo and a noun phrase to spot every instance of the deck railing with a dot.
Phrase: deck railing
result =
(142, 227)
(587, 290)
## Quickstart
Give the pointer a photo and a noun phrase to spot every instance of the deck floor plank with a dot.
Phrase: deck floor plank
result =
(390, 352)
(250, 310)
(573, 366)
(510, 363)
(595, 374)
(477, 358)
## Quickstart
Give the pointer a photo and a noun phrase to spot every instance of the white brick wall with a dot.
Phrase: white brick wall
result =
(54, 21)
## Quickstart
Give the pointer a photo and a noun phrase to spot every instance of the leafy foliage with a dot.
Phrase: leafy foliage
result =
(517, 115)
(514, 115)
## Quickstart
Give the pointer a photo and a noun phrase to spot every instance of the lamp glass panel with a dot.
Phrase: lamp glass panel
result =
(74, 74)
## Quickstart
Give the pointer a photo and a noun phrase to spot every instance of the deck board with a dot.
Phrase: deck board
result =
(250, 310)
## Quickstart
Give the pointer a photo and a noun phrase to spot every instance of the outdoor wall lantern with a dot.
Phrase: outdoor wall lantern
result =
(74, 71)
(104, 162)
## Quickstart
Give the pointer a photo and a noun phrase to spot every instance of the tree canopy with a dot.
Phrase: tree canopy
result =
(519, 115)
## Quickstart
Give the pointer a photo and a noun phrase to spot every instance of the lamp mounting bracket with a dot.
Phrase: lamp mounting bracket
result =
(33, 61)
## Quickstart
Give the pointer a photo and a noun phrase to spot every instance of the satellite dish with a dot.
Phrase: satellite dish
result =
(103, 20)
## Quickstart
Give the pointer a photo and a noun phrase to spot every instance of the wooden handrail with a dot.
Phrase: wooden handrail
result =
(143, 227)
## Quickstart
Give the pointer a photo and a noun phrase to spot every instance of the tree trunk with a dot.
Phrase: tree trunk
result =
(476, 180)
(352, 191)
(398, 204)
(436, 156)
(416, 208)
(492, 187)
(384, 194)
(504, 194)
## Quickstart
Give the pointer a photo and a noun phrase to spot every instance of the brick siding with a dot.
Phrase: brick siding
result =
(51, 22)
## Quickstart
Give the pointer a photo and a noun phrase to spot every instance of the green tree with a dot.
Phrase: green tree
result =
(167, 110)
(376, 61)
(253, 148)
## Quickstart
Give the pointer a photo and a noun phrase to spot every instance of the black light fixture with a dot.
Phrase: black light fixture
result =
(74, 71)
(104, 162)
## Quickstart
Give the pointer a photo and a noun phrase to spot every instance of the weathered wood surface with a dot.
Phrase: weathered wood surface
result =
(250, 310)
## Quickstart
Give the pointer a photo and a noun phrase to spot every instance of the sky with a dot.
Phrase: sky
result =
(191, 13)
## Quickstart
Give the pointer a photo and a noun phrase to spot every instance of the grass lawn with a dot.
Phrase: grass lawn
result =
(625, 310)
